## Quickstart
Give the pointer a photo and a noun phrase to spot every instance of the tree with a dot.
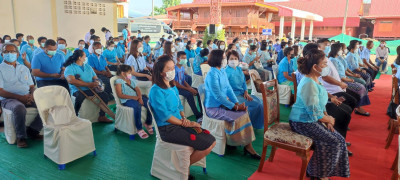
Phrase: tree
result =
(166, 4)
(220, 35)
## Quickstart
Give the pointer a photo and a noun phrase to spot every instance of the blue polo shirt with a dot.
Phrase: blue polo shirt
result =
(86, 72)
(146, 49)
(84, 50)
(284, 66)
(47, 65)
(37, 51)
(97, 62)
(180, 75)
(28, 50)
(16, 79)
(23, 43)
(66, 55)
(110, 55)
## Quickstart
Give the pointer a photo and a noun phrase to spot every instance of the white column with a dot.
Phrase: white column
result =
(303, 28)
(311, 29)
(292, 33)
(282, 23)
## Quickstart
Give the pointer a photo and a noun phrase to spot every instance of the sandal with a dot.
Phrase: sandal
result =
(143, 134)
(149, 129)
(362, 114)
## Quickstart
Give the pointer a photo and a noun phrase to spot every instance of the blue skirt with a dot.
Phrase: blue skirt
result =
(330, 156)
(256, 111)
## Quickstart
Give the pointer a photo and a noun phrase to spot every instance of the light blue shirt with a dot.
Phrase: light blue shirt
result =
(352, 61)
(23, 43)
(294, 62)
(339, 66)
(66, 55)
(357, 55)
(21, 61)
(120, 49)
(344, 62)
(198, 49)
(398, 70)
(28, 50)
(264, 57)
(249, 58)
(146, 49)
(84, 50)
(239, 51)
(126, 89)
(37, 51)
(284, 66)
(299, 76)
(310, 102)
(214, 46)
(218, 89)
(180, 75)
(236, 80)
(16, 80)
(165, 104)
(86, 75)
(48, 65)
(97, 62)
(110, 55)
(125, 34)
(197, 62)
(138, 63)
(277, 47)
(190, 54)
(366, 54)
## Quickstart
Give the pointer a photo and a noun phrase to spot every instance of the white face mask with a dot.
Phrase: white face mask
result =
(224, 63)
(222, 46)
(111, 48)
(173, 49)
(91, 41)
(98, 51)
(81, 45)
(86, 59)
(340, 53)
(140, 49)
(233, 63)
(170, 75)
(357, 46)
(325, 71)
(346, 51)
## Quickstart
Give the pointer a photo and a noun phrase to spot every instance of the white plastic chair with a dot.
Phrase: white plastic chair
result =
(216, 128)
(204, 70)
(66, 137)
(171, 161)
(144, 86)
(284, 90)
(124, 119)
(9, 130)
(196, 79)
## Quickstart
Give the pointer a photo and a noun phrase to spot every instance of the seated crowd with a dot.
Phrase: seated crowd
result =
(332, 81)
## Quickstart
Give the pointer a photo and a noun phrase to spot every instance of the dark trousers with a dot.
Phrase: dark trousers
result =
(190, 99)
(113, 67)
(342, 115)
(371, 72)
(188, 79)
(107, 86)
(19, 117)
(137, 112)
(56, 82)
(351, 101)
(79, 98)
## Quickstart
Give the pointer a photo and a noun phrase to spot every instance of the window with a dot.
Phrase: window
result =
(121, 26)
(146, 28)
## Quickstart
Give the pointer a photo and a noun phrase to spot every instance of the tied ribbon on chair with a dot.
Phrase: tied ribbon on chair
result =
(196, 130)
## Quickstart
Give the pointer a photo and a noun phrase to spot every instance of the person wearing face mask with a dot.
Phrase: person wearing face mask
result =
(215, 44)
(147, 49)
(179, 45)
(88, 36)
(93, 39)
(41, 41)
(296, 50)
(99, 65)
(170, 51)
(47, 67)
(29, 48)
(62, 48)
(81, 46)
(251, 58)
(16, 94)
(280, 53)
(277, 46)
(158, 49)
(353, 62)
(250, 43)
(190, 53)
(285, 68)
(210, 45)
(76, 65)
(221, 45)
(120, 50)
(185, 41)
(130, 96)
(20, 38)
(173, 126)
(137, 61)
(236, 42)
(382, 55)
(110, 54)
(265, 58)
(221, 103)
(365, 56)
(199, 45)
(200, 59)
(348, 72)
(309, 117)
(184, 88)
(22, 58)
(238, 83)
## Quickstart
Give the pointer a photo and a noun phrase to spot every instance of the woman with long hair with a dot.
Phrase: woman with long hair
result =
(190, 53)
(169, 50)
(137, 61)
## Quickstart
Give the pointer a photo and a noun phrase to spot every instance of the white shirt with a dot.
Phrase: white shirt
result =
(381, 52)
(139, 64)
(90, 49)
(331, 88)
(87, 37)
(108, 35)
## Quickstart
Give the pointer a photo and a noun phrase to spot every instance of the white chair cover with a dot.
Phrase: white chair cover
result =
(186, 108)
(124, 119)
(196, 79)
(9, 130)
(144, 86)
(171, 161)
(63, 142)
(89, 110)
(284, 90)
(204, 70)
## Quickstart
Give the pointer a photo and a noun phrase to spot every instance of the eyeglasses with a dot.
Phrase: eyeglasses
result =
(5, 51)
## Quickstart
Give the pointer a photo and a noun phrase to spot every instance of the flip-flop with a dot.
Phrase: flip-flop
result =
(143, 134)
(149, 129)
(362, 114)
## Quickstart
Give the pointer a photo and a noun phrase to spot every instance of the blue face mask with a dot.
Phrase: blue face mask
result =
(10, 57)
(51, 53)
(121, 41)
(61, 46)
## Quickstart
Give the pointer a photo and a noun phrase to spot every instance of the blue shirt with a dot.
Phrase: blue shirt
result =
(310, 102)
(277, 47)
(249, 58)
(66, 55)
(398, 70)
(110, 55)
(352, 61)
(198, 49)
(239, 51)
(120, 49)
(125, 34)
(236, 80)
(146, 49)
(339, 66)
(16, 80)
(344, 62)
(86, 75)
(48, 65)
(138, 63)
(280, 57)
(180, 75)
(218, 89)
(84, 50)
(126, 89)
(366, 54)
(21, 61)
(23, 43)
(299, 76)
(28, 50)
(165, 104)
(214, 46)
(190, 54)
(197, 62)
(98, 63)
(284, 66)
(37, 51)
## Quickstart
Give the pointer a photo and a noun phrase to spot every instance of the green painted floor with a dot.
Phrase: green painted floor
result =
(119, 158)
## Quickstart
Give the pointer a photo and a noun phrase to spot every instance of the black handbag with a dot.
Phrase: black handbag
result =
(391, 110)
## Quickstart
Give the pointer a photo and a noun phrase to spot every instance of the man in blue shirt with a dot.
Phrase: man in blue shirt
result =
(99, 65)
(62, 48)
(277, 46)
(20, 38)
(16, 93)
(146, 48)
(184, 88)
(41, 40)
(48, 68)
(280, 53)
(29, 48)
(365, 56)
(22, 58)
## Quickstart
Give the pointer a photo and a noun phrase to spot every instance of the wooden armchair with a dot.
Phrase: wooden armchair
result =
(295, 86)
(393, 123)
(280, 135)
(395, 165)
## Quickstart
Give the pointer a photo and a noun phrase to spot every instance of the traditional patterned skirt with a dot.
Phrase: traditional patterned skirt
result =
(360, 90)
(366, 77)
(255, 109)
(330, 156)
(238, 128)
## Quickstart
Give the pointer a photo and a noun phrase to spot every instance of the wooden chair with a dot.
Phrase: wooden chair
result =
(393, 123)
(395, 165)
(295, 86)
(280, 135)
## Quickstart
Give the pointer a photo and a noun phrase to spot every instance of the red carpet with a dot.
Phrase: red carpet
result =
(367, 135)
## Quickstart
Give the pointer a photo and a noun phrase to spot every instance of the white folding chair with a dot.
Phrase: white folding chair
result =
(124, 119)
(204, 70)
(9, 130)
(66, 137)
(171, 161)
(196, 79)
